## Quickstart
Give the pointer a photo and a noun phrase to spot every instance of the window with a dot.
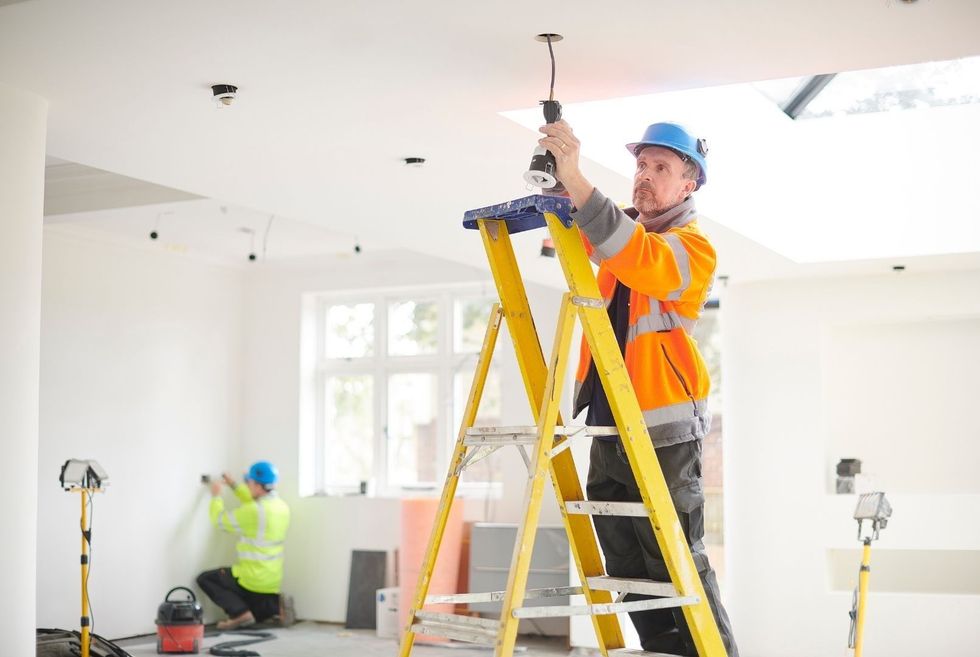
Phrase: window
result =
(392, 373)
(912, 86)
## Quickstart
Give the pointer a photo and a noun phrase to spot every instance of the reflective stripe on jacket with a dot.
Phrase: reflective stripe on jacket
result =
(261, 527)
(669, 267)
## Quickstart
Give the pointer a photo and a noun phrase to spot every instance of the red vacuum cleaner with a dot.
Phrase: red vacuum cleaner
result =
(180, 624)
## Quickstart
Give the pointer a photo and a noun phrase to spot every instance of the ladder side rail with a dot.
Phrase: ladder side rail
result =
(452, 478)
(539, 470)
(636, 441)
(530, 357)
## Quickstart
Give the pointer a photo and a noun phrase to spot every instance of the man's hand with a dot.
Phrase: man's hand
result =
(215, 488)
(565, 146)
(228, 480)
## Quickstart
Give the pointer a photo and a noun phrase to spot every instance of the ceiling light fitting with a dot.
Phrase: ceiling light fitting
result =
(224, 94)
(155, 233)
(541, 172)
(414, 162)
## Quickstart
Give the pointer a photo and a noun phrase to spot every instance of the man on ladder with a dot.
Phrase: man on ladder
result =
(655, 273)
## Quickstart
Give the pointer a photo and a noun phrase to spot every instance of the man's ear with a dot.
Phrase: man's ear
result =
(689, 187)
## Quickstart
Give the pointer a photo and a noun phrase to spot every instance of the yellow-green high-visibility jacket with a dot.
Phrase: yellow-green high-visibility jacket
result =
(261, 526)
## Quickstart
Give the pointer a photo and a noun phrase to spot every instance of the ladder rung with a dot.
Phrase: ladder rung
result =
(504, 439)
(622, 585)
(453, 626)
(634, 509)
(604, 609)
(497, 596)
(441, 618)
(532, 431)
(625, 652)
(452, 632)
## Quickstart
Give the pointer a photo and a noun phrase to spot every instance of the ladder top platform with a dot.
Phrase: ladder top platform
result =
(523, 213)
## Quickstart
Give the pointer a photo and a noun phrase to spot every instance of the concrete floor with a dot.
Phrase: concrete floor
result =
(309, 639)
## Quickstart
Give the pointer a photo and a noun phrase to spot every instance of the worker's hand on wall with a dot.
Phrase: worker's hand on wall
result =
(565, 146)
(228, 480)
(215, 488)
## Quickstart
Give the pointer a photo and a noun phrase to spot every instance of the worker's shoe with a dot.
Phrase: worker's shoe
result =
(287, 610)
(242, 620)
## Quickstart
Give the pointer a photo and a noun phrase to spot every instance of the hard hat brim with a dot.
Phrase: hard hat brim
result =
(632, 148)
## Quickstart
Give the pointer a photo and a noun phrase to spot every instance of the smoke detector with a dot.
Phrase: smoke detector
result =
(224, 94)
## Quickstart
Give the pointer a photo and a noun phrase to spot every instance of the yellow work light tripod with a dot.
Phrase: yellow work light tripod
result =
(85, 478)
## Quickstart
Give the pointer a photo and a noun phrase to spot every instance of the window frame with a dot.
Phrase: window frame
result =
(444, 364)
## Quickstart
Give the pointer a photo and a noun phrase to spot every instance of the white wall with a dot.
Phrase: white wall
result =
(326, 529)
(881, 368)
(140, 370)
(23, 126)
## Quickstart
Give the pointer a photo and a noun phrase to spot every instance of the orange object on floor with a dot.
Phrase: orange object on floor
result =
(179, 639)
(418, 516)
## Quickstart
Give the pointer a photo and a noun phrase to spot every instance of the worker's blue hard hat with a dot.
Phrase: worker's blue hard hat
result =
(262, 472)
(677, 138)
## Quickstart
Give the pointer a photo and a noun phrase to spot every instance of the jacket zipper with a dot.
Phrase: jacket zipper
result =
(680, 378)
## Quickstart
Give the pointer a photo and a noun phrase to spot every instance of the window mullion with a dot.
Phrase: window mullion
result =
(444, 419)
(381, 396)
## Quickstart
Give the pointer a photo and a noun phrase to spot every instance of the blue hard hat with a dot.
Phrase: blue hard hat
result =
(678, 139)
(262, 472)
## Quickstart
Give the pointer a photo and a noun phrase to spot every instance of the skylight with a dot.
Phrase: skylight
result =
(915, 86)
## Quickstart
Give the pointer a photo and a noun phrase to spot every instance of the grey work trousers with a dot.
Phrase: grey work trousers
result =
(630, 548)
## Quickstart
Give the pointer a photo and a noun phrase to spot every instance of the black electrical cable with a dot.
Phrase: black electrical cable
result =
(232, 648)
(551, 93)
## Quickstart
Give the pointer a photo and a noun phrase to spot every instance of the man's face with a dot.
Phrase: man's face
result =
(254, 488)
(659, 183)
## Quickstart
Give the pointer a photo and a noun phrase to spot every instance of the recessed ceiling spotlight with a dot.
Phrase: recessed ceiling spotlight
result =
(155, 233)
(224, 94)
(415, 162)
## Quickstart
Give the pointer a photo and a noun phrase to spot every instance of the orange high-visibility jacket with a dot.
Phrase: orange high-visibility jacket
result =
(669, 273)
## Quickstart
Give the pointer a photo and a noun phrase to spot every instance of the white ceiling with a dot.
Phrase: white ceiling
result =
(211, 230)
(333, 95)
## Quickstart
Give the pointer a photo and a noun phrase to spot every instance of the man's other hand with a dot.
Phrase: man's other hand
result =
(215, 488)
(228, 480)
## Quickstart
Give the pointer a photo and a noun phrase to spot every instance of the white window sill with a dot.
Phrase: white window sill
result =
(466, 491)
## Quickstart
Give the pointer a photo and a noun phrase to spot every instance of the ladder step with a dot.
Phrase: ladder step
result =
(531, 431)
(624, 652)
(454, 626)
(622, 585)
(604, 609)
(634, 509)
(442, 618)
(497, 596)
(452, 632)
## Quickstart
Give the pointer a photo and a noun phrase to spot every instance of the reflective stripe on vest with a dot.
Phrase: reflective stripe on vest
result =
(230, 517)
(657, 321)
(254, 542)
(683, 264)
(244, 543)
(258, 556)
(675, 412)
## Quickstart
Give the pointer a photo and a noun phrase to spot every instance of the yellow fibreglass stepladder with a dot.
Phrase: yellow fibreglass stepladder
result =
(549, 442)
